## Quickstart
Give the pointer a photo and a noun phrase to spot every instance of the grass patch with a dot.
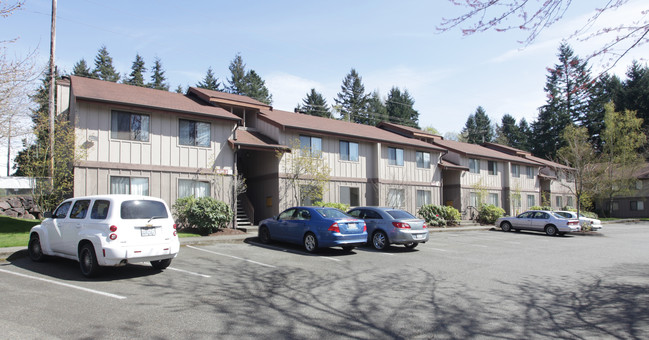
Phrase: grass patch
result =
(186, 234)
(14, 232)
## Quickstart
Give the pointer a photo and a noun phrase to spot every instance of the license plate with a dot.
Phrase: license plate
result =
(352, 226)
(419, 236)
(147, 231)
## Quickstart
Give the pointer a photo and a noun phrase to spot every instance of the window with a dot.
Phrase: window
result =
(492, 167)
(349, 196)
(530, 172)
(396, 198)
(395, 156)
(569, 201)
(493, 199)
(474, 199)
(309, 194)
(129, 126)
(348, 151)
(516, 170)
(423, 198)
(100, 210)
(516, 201)
(530, 201)
(142, 209)
(129, 185)
(313, 144)
(638, 185)
(62, 210)
(637, 205)
(423, 160)
(194, 133)
(80, 209)
(474, 165)
(559, 201)
(189, 187)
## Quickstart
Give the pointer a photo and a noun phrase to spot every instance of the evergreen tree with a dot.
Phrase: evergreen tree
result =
(352, 99)
(399, 106)
(180, 89)
(238, 74)
(104, 69)
(478, 128)
(210, 82)
(81, 69)
(158, 77)
(635, 92)
(314, 104)
(525, 133)
(606, 89)
(507, 133)
(255, 88)
(376, 110)
(137, 72)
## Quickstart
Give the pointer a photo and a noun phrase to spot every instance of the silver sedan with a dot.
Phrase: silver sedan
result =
(539, 220)
(387, 226)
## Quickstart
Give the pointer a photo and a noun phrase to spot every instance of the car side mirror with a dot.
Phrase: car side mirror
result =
(47, 214)
(276, 218)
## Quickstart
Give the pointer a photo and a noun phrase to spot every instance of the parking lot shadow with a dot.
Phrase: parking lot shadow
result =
(298, 249)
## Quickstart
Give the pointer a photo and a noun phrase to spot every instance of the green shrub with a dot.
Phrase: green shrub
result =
(538, 207)
(438, 215)
(589, 214)
(205, 214)
(489, 213)
(340, 206)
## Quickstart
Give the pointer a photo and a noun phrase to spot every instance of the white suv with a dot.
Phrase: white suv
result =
(110, 230)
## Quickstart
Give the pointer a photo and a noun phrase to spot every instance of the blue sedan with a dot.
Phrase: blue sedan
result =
(314, 227)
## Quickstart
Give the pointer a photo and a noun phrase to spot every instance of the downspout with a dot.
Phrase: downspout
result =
(441, 177)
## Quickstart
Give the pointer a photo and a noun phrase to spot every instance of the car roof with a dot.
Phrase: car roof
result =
(116, 197)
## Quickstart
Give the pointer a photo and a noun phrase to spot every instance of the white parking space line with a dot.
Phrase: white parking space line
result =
(234, 257)
(188, 272)
(330, 258)
(294, 251)
(65, 285)
(375, 251)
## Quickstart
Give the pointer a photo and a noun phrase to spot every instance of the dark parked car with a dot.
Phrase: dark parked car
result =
(387, 226)
(314, 227)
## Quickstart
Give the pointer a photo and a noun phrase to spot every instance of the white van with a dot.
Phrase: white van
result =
(109, 230)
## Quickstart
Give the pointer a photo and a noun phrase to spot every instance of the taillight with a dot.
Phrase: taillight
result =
(334, 227)
(401, 225)
(425, 226)
(113, 228)
(113, 236)
(175, 226)
(573, 222)
(364, 226)
(175, 233)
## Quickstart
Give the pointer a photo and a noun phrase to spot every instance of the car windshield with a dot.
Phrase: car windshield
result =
(331, 213)
(400, 215)
(140, 209)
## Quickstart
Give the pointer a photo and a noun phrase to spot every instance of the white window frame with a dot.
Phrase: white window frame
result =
(198, 188)
(423, 159)
(516, 170)
(474, 165)
(396, 198)
(193, 136)
(494, 165)
(424, 197)
(140, 187)
(141, 135)
(395, 156)
(351, 151)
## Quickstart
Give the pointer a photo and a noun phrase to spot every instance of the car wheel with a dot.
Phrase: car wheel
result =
(506, 226)
(412, 245)
(88, 261)
(264, 235)
(161, 264)
(310, 243)
(380, 240)
(34, 249)
(551, 230)
(347, 249)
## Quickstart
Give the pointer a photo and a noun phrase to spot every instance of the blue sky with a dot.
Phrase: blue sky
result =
(299, 45)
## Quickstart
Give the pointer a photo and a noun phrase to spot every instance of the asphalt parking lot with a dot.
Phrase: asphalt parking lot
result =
(476, 284)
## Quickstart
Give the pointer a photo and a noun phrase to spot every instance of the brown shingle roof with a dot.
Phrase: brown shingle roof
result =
(109, 92)
(411, 131)
(227, 98)
(254, 140)
(328, 126)
(479, 151)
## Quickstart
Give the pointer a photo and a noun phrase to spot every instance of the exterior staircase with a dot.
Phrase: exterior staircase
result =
(243, 221)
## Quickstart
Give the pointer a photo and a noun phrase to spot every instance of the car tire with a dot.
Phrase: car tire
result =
(161, 264)
(380, 240)
(412, 245)
(34, 248)
(506, 226)
(264, 235)
(310, 243)
(88, 261)
(551, 230)
(348, 249)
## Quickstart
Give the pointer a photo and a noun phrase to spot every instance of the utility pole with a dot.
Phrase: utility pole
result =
(52, 85)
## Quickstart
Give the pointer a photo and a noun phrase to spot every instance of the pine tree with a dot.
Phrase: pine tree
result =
(137, 72)
(376, 110)
(210, 82)
(238, 73)
(158, 77)
(104, 69)
(352, 99)
(507, 133)
(399, 106)
(525, 132)
(314, 104)
(478, 127)
(81, 69)
(606, 89)
(635, 92)
(255, 87)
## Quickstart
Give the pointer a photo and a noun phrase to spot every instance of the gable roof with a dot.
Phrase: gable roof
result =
(525, 154)
(252, 140)
(114, 93)
(334, 127)
(479, 151)
(407, 130)
(223, 98)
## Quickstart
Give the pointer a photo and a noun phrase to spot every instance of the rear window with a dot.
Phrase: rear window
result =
(400, 215)
(332, 213)
(142, 209)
